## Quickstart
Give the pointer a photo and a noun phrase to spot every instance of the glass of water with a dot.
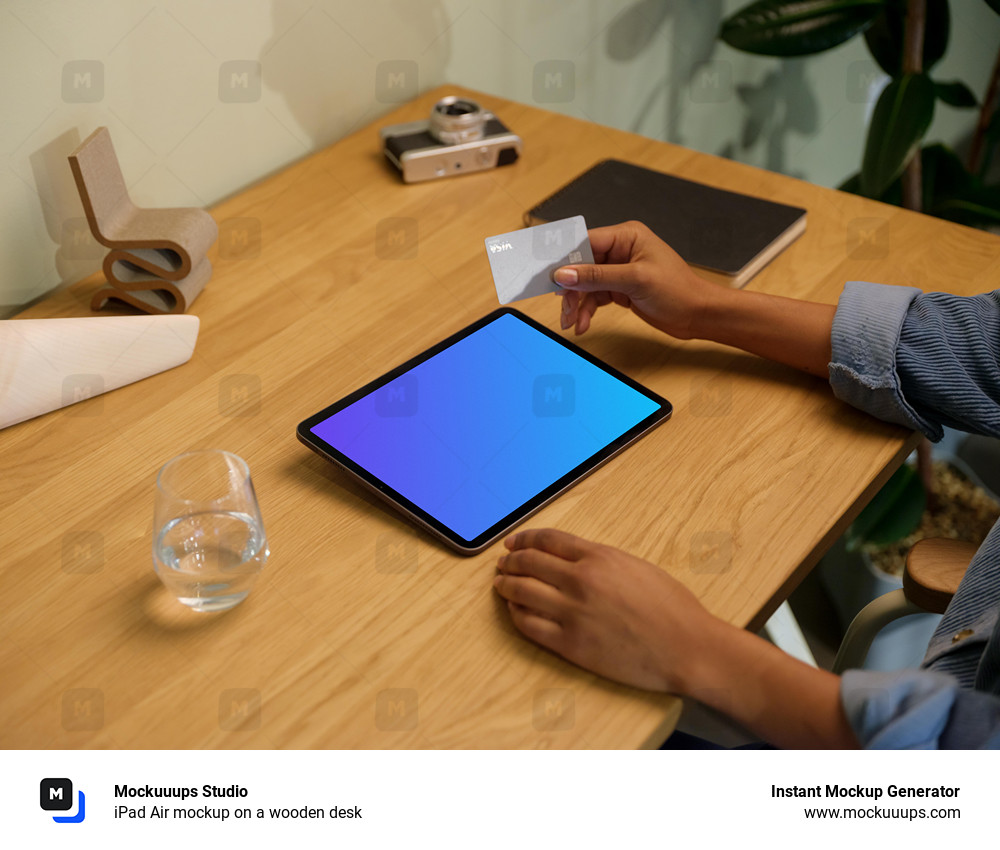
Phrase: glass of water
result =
(208, 536)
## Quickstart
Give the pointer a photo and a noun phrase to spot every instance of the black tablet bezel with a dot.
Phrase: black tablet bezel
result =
(536, 503)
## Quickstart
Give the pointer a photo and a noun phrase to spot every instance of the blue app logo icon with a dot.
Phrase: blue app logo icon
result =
(56, 795)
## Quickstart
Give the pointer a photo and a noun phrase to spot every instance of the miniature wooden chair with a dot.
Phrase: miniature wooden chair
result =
(158, 257)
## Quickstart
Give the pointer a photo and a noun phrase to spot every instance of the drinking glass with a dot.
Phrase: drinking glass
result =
(208, 536)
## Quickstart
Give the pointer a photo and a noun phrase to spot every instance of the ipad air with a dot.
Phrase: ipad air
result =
(480, 431)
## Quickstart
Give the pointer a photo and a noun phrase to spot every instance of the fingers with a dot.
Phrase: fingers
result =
(585, 312)
(541, 630)
(570, 305)
(536, 564)
(578, 308)
(616, 244)
(616, 249)
(562, 544)
(602, 240)
(589, 302)
(542, 598)
(592, 277)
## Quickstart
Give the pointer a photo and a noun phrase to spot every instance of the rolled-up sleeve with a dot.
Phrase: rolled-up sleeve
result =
(866, 331)
(921, 360)
(924, 361)
(918, 710)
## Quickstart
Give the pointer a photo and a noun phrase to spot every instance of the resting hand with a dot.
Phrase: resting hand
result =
(603, 609)
(634, 268)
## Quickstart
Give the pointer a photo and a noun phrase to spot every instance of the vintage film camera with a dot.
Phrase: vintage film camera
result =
(459, 137)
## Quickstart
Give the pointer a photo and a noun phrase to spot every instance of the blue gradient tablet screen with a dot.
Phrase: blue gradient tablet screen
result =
(480, 428)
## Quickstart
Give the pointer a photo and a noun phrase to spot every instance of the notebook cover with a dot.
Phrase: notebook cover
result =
(716, 229)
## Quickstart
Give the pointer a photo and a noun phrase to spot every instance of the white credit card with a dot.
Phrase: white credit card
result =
(522, 261)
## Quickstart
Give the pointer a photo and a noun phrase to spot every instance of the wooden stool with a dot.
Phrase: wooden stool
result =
(934, 569)
(158, 257)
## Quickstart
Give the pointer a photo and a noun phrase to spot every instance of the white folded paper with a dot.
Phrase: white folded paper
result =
(46, 364)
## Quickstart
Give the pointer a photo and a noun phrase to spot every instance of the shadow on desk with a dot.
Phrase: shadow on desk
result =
(162, 615)
(636, 354)
(328, 480)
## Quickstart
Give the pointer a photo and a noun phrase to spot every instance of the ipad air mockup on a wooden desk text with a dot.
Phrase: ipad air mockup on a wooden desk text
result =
(483, 429)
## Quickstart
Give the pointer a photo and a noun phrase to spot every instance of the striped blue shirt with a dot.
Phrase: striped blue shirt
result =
(924, 361)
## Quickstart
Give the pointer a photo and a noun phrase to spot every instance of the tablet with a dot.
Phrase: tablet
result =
(481, 430)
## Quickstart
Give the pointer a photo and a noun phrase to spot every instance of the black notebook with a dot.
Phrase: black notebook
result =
(728, 236)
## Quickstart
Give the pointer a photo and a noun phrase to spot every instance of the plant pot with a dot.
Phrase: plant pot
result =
(975, 456)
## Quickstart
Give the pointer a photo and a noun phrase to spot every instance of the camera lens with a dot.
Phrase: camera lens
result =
(455, 120)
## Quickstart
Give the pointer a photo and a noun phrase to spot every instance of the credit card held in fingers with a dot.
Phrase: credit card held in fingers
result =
(522, 261)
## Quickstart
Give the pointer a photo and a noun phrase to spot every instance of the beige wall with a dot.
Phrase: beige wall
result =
(205, 96)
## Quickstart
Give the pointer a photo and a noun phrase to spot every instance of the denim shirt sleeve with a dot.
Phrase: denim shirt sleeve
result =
(866, 331)
(919, 360)
(923, 361)
(918, 710)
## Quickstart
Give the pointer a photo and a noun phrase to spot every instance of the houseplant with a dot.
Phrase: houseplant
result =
(907, 39)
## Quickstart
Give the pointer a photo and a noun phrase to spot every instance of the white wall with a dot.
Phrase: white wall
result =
(176, 81)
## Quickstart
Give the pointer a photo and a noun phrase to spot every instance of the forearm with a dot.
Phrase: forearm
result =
(785, 701)
(796, 333)
(781, 699)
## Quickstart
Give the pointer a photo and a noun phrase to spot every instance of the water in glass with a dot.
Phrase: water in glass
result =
(209, 560)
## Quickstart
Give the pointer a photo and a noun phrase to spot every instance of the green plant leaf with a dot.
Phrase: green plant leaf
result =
(885, 36)
(894, 512)
(949, 191)
(952, 193)
(902, 115)
(992, 141)
(943, 172)
(976, 206)
(956, 94)
(893, 195)
(882, 501)
(797, 27)
(852, 184)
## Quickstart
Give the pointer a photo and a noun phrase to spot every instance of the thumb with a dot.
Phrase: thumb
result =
(591, 277)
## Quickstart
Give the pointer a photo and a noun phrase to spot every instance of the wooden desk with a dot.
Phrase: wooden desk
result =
(362, 632)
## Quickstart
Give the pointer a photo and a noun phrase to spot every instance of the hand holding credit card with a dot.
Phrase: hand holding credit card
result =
(522, 261)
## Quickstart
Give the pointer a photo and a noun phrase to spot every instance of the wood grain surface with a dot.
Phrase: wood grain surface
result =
(934, 569)
(363, 632)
